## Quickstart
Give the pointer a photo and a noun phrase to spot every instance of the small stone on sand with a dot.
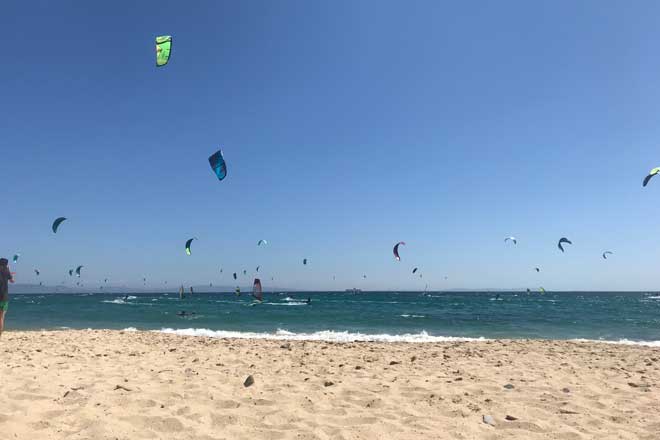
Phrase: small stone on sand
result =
(248, 381)
(489, 420)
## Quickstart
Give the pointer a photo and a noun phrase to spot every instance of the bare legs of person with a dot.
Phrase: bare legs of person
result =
(2, 321)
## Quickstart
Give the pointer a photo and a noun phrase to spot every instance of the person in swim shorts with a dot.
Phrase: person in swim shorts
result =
(5, 278)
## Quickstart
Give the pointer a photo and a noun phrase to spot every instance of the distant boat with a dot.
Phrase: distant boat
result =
(353, 290)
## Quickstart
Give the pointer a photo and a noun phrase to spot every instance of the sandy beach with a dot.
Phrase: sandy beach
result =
(143, 385)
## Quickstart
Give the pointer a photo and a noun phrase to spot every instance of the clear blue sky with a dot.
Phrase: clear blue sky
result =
(347, 126)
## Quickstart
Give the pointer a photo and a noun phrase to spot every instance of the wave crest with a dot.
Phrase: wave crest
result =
(324, 335)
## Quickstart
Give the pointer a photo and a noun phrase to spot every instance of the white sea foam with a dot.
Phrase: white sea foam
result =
(115, 301)
(412, 316)
(653, 297)
(621, 342)
(291, 303)
(121, 301)
(338, 336)
(325, 335)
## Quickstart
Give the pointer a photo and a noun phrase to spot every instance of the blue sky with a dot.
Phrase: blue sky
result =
(347, 126)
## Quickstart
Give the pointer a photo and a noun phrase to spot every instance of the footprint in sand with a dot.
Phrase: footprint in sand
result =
(154, 423)
(227, 404)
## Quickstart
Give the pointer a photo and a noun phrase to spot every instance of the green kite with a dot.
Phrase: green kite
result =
(163, 50)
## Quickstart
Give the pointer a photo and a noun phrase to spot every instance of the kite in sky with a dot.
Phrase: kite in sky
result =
(396, 250)
(163, 50)
(218, 165)
(652, 173)
(56, 224)
(188, 245)
(562, 241)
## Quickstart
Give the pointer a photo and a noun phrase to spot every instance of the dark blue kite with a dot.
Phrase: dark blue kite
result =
(218, 164)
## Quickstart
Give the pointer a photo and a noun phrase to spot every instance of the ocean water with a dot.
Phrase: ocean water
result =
(383, 316)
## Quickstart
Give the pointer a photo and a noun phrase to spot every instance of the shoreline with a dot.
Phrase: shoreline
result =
(341, 337)
(145, 384)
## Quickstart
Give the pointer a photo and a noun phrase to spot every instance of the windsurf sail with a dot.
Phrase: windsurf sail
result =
(257, 291)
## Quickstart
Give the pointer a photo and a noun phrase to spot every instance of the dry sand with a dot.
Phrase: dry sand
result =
(143, 385)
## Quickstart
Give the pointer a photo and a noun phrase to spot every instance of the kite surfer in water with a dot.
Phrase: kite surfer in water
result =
(5, 278)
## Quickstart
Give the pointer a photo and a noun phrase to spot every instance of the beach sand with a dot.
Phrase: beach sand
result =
(146, 385)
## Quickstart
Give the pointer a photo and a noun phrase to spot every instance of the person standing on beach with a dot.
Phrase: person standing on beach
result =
(5, 278)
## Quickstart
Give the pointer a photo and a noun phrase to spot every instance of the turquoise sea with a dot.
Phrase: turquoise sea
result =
(385, 316)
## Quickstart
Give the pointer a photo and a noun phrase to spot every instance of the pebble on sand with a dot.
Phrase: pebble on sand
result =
(510, 418)
(248, 381)
(509, 386)
(489, 420)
